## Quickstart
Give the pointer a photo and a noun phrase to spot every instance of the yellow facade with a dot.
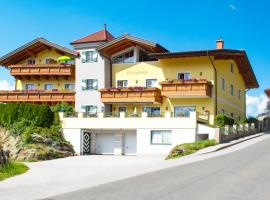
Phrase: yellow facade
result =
(198, 67)
(40, 58)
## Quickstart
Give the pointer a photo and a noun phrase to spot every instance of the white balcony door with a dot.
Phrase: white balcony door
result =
(30, 86)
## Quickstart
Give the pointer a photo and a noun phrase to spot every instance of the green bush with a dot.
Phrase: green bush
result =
(221, 120)
(39, 115)
(189, 148)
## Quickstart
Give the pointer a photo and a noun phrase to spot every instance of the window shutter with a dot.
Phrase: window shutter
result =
(95, 84)
(84, 84)
(95, 56)
(83, 108)
(83, 56)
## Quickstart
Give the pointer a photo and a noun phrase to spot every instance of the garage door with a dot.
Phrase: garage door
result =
(130, 144)
(105, 143)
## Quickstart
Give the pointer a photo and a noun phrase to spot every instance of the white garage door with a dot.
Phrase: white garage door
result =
(105, 143)
(130, 144)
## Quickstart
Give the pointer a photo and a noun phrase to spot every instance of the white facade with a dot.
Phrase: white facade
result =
(99, 70)
(133, 136)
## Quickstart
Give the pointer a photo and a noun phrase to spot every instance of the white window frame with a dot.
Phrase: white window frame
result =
(27, 84)
(48, 84)
(163, 140)
(182, 106)
(123, 52)
(122, 86)
(232, 67)
(183, 72)
(33, 61)
(84, 58)
(151, 79)
(151, 114)
(85, 85)
(69, 84)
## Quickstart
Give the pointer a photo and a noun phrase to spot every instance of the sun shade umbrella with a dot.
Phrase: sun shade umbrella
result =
(63, 59)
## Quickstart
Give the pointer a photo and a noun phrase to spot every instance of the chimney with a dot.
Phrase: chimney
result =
(219, 44)
(105, 27)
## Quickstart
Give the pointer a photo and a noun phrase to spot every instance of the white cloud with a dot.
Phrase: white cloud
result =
(5, 85)
(232, 7)
(256, 104)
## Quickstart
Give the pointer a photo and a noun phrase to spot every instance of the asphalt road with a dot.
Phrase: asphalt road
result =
(241, 175)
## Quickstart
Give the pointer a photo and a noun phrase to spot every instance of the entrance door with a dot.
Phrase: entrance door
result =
(86, 142)
(130, 144)
(105, 143)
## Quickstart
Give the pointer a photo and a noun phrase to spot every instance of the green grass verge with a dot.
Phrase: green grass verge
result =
(189, 148)
(11, 169)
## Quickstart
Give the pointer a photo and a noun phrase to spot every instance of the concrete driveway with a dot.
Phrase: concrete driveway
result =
(50, 178)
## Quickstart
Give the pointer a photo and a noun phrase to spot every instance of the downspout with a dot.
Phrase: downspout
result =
(215, 79)
(110, 65)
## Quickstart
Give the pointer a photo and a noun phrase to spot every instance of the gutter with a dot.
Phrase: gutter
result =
(215, 78)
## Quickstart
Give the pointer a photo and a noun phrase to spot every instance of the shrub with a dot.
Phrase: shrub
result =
(189, 148)
(221, 120)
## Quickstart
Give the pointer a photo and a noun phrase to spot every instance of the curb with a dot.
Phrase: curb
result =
(229, 145)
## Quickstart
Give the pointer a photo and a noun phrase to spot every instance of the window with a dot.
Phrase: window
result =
(127, 57)
(231, 67)
(31, 62)
(90, 110)
(89, 56)
(231, 90)
(69, 86)
(152, 111)
(30, 86)
(183, 76)
(143, 56)
(48, 60)
(223, 84)
(161, 137)
(48, 86)
(89, 84)
(239, 94)
(122, 83)
(151, 82)
(183, 111)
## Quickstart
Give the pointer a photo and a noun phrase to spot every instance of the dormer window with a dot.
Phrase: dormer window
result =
(127, 57)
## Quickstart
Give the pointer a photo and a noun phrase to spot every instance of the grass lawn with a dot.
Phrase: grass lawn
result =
(189, 148)
(12, 169)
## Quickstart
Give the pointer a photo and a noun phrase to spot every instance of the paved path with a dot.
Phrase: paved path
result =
(242, 175)
(50, 178)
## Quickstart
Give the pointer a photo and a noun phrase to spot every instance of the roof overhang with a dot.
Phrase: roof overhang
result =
(239, 56)
(31, 49)
(126, 41)
(267, 92)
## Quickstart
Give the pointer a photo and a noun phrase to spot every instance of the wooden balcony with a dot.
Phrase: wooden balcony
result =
(38, 70)
(186, 89)
(131, 95)
(37, 96)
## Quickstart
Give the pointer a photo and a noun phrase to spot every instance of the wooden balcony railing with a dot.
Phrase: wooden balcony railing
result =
(131, 95)
(186, 89)
(40, 96)
(41, 69)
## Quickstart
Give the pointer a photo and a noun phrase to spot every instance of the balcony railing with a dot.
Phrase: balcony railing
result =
(41, 69)
(52, 96)
(131, 95)
(192, 88)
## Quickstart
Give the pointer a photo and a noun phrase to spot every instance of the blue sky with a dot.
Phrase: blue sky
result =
(177, 25)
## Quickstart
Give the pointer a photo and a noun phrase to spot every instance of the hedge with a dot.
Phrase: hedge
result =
(39, 115)
(221, 120)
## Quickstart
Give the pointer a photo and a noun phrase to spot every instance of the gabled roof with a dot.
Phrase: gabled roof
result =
(239, 56)
(126, 41)
(100, 36)
(31, 48)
